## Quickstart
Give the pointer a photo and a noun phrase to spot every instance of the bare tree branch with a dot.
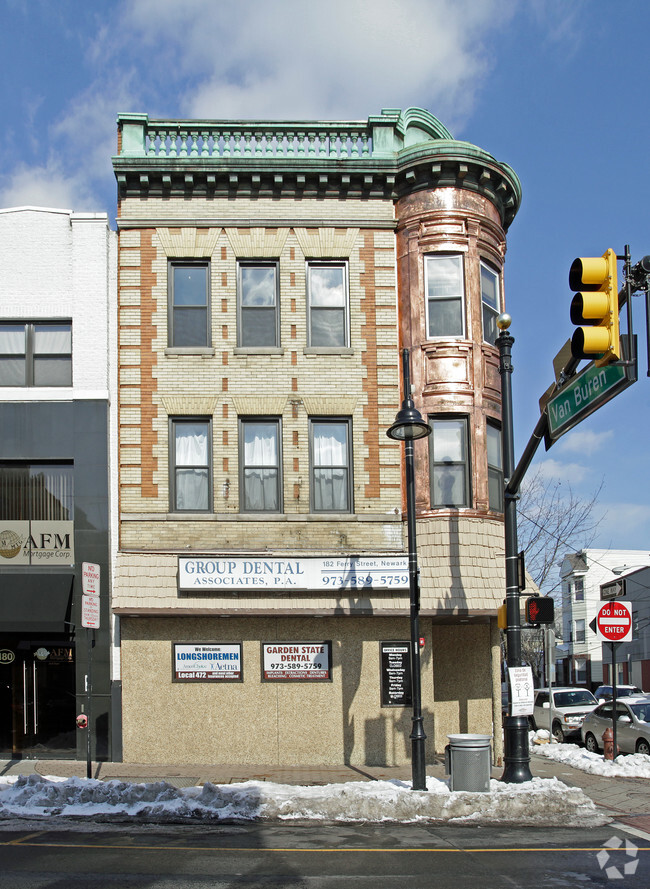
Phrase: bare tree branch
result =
(553, 520)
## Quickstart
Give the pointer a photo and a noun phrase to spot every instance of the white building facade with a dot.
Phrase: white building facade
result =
(58, 319)
(582, 575)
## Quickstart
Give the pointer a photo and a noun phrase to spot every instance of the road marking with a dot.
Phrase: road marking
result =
(252, 849)
(29, 836)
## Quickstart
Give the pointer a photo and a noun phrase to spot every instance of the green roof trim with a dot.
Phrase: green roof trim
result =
(387, 155)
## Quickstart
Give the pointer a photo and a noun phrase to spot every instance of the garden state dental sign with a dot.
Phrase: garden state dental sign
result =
(235, 574)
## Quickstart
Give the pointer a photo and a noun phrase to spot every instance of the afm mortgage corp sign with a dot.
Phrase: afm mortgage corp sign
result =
(204, 574)
(36, 543)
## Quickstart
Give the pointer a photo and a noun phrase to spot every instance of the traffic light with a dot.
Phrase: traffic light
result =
(502, 617)
(540, 610)
(596, 306)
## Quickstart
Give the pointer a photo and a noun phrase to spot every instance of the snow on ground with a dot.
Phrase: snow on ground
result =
(544, 801)
(632, 765)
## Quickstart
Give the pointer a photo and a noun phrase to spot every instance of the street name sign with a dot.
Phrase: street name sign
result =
(614, 622)
(583, 395)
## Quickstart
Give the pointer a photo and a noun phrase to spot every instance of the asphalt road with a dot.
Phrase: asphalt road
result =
(303, 855)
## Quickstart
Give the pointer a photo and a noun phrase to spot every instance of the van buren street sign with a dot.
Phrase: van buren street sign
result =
(584, 394)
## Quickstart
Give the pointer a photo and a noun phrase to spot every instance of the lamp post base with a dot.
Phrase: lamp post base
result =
(517, 755)
(418, 757)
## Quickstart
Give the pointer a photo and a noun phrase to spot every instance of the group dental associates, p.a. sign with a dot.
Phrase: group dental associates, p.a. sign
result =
(211, 573)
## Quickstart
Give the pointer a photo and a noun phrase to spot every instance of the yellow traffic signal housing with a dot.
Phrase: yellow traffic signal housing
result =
(502, 617)
(596, 306)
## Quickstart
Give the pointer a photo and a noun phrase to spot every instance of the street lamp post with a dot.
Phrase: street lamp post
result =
(517, 754)
(408, 426)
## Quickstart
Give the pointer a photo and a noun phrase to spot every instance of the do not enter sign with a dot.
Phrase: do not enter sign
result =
(614, 622)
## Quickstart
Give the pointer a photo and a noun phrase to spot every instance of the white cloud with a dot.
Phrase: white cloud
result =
(572, 473)
(295, 59)
(584, 442)
(47, 185)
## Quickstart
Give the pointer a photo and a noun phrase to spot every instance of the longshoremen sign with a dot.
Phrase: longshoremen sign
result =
(236, 574)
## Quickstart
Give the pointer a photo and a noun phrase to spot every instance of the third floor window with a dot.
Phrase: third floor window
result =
(189, 304)
(445, 295)
(257, 290)
(35, 353)
(327, 304)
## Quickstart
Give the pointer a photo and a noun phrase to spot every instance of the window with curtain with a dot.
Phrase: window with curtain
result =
(490, 302)
(257, 291)
(449, 455)
(494, 467)
(579, 589)
(445, 295)
(35, 353)
(327, 300)
(260, 449)
(191, 482)
(189, 303)
(331, 489)
(580, 631)
(36, 492)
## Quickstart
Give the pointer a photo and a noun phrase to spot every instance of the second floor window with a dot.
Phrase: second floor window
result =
(36, 492)
(191, 465)
(258, 304)
(189, 304)
(260, 481)
(579, 635)
(490, 303)
(579, 589)
(445, 295)
(330, 466)
(449, 450)
(494, 467)
(35, 353)
(327, 304)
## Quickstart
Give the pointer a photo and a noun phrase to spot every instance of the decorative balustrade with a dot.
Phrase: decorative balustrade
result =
(228, 140)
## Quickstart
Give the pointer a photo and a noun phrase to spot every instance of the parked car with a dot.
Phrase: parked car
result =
(569, 708)
(632, 725)
(605, 692)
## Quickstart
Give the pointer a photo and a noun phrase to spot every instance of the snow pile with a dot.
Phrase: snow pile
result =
(633, 765)
(544, 801)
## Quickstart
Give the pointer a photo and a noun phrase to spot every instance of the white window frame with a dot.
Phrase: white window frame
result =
(312, 310)
(176, 468)
(276, 423)
(345, 422)
(430, 261)
(174, 310)
(244, 311)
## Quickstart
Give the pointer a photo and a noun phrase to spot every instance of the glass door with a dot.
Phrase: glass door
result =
(37, 700)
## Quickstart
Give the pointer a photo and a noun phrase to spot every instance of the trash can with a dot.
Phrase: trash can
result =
(467, 760)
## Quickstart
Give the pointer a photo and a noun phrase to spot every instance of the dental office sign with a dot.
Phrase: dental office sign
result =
(36, 543)
(207, 573)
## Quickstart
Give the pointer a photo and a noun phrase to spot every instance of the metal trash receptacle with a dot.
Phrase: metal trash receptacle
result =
(468, 762)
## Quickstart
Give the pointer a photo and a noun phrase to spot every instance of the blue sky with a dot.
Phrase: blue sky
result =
(558, 89)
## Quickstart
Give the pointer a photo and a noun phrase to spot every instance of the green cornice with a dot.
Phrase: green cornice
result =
(388, 156)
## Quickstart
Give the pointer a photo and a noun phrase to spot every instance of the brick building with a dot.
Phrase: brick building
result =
(269, 274)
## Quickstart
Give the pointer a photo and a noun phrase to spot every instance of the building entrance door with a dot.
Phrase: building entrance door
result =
(37, 698)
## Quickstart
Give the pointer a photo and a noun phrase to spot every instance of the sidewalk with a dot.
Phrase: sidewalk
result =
(625, 799)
